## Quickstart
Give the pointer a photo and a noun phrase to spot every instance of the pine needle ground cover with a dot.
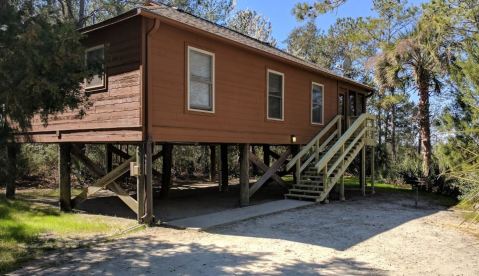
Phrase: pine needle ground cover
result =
(30, 228)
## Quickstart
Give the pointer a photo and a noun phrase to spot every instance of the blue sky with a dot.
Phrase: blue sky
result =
(279, 13)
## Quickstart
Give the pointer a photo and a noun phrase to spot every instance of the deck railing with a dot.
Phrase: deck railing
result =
(312, 150)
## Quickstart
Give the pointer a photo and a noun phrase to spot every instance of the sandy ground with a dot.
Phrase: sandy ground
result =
(377, 235)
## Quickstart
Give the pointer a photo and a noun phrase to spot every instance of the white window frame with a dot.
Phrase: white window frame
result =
(267, 95)
(190, 48)
(322, 103)
(103, 85)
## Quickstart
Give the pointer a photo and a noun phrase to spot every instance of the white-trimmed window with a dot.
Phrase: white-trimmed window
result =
(95, 60)
(317, 103)
(201, 80)
(275, 101)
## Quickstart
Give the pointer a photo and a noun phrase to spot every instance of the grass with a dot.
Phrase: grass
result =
(29, 228)
(351, 182)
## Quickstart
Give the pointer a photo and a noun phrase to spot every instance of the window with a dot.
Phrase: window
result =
(352, 104)
(275, 95)
(95, 61)
(317, 103)
(360, 104)
(200, 80)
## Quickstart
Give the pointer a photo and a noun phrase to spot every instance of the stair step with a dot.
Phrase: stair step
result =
(301, 196)
(309, 182)
(307, 186)
(304, 191)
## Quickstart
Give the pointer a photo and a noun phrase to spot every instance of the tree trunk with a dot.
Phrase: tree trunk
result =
(12, 150)
(424, 127)
(393, 127)
(81, 14)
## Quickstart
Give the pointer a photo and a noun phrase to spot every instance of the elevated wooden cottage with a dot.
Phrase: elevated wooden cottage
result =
(171, 77)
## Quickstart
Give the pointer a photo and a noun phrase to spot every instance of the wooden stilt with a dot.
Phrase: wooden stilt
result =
(372, 170)
(166, 175)
(255, 168)
(266, 155)
(294, 151)
(244, 174)
(11, 170)
(149, 217)
(341, 189)
(108, 158)
(224, 167)
(140, 181)
(64, 172)
(362, 174)
(213, 171)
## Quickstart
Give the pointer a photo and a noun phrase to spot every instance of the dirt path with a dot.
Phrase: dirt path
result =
(381, 235)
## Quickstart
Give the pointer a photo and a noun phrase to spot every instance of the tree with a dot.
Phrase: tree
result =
(216, 11)
(414, 61)
(251, 23)
(41, 67)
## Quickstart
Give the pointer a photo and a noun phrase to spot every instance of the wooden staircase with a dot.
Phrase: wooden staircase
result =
(321, 164)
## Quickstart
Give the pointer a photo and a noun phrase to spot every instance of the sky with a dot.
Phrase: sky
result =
(283, 21)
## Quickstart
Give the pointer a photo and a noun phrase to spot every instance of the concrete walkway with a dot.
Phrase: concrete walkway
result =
(234, 215)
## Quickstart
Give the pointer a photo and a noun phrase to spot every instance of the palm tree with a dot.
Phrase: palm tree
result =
(413, 62)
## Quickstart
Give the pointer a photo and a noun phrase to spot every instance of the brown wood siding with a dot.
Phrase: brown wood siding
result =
(240, 94)
(115, 112)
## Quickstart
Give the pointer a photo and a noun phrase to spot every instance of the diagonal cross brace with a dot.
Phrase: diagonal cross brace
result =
(269, 172)
(106, 180)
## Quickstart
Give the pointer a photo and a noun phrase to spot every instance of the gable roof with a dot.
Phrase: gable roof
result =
(192, 21)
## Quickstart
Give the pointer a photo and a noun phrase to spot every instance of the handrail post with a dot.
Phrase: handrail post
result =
(298, 171)
(339, 128)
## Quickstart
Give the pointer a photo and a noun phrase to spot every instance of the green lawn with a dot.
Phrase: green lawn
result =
(29, 228)
(381, 186)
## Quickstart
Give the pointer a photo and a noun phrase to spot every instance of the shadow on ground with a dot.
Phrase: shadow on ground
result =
(185, 200)
(338, 225)
(141, 256)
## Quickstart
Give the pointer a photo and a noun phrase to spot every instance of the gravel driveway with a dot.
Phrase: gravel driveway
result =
(376, 235)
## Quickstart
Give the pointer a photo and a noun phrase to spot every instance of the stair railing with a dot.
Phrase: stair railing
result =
(361, 130)
(312, 150)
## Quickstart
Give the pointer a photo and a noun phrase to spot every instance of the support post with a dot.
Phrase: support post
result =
(296, 174)
(224, 167)
(64, 172)
(266, 155)
(109, 158)
(341, 189)
(362, 174)
(140, 181)
(166, 175)
(213, 163)
(11, 170)
(244, 174)
(372, 170)
(149, 215)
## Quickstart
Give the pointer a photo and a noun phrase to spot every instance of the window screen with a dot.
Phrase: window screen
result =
(275, 96)
(317, 104)
(95, 60)
(201, 80)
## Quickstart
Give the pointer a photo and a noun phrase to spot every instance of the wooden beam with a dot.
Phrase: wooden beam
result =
(12, 170)
(64, 172)
(140, 181)
(244, 174)
(149, 217)
(372, 169)
(109, 157)
(362, 174)
(213, 171)
(295, 150)
(269, 172)
(97, 171)
(224, 167)
(273, 154)
(125, 155)
(166, 175)
(266, 155)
